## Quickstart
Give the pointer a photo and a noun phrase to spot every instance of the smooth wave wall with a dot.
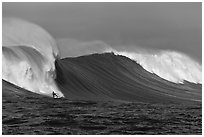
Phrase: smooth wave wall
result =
(108, 77)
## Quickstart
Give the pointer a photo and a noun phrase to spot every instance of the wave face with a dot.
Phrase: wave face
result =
(114, 77)
(29, 53)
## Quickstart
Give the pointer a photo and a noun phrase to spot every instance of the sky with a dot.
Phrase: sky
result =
(165, 26)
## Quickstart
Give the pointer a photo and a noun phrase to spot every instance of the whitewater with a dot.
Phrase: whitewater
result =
(28, 56)
(170, 65)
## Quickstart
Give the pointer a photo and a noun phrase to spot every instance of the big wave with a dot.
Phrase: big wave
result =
(28, 56)
(108, 76)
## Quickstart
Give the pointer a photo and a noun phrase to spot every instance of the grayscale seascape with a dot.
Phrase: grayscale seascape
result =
(102, 68)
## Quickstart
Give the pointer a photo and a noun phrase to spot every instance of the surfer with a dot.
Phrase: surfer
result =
(54, 94)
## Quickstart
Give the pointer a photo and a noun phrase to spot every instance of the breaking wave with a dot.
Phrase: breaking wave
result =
(28, 56)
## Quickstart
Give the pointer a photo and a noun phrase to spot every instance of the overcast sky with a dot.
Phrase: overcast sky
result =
(173, 26)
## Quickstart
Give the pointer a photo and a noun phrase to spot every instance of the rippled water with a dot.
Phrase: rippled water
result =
(43, 115)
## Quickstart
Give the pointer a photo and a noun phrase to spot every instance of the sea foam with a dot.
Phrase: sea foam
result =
(28, 56)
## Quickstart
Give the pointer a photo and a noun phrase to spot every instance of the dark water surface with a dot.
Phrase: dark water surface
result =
(43, 115)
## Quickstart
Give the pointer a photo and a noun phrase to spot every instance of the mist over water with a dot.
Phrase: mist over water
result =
(28, 56)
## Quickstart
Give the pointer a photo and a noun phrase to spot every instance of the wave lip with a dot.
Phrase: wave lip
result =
(29, 53)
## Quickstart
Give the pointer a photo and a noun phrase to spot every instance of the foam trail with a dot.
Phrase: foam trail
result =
(170, 65)
(29, 53)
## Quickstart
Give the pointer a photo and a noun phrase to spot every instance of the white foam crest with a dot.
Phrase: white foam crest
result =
(170, 65)
(28, 58)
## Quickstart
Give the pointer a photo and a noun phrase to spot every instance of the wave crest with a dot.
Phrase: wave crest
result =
(170, 65)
